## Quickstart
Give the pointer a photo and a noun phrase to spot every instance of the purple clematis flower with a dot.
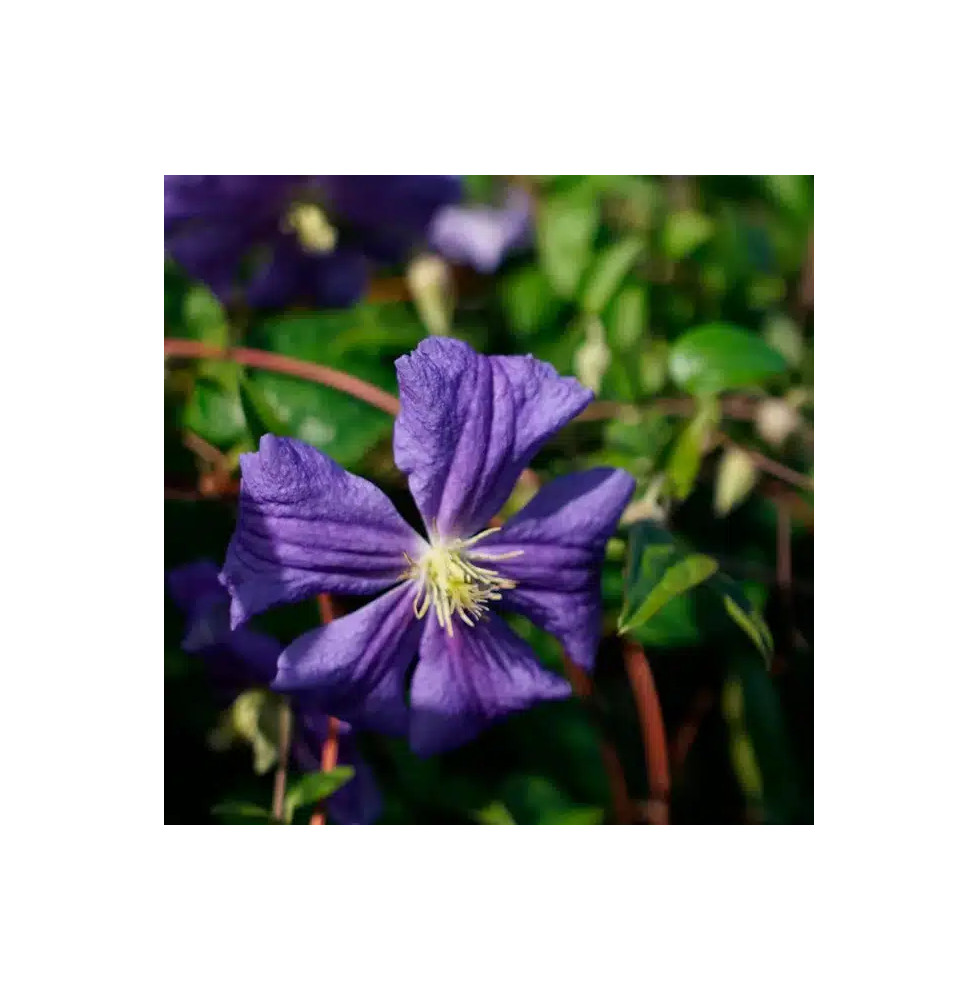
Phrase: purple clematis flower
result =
(481, 235)
(242, 659)
(468, 426)
(312, 237)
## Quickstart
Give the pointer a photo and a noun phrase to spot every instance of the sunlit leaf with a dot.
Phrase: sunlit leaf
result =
(214, 412)
(495, 814)
(690, 446)
(658, 570)
(204, 318)
(246, 812)
(608, 271)
(719, 356)
(317, 785)
(628, 317)
(684, 231)
(528, 301)
(567, 225)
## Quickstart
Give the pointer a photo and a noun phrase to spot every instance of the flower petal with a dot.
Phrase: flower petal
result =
(396, 206)
(481, 235)
(292, 274)
(306, 526)
(562, 533)
(355, 667)
(466, 681)
(469, 424)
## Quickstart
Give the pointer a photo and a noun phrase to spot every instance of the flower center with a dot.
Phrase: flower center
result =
(311, 227)
(451, 581)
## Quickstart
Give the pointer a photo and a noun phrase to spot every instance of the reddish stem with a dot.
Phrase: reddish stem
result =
(254, 358)
(771, 467)
(331, 745)
(653, 730)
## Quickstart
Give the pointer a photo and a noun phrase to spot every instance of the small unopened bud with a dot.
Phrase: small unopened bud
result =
(592, 358)
(775, 420)
(736, 477)
(430, 280)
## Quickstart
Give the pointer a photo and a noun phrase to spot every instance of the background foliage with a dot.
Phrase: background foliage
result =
(687, 305)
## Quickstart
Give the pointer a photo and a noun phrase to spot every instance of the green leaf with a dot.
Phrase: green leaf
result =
(742, 755)
(687, 453)
(783, 334)
(658, 570)
(495, 814)
(653, 366)
(259, 415)
(244, 811)
(362, 342)
(628, 317)
(214, 412)
(719, 356)
(528, 301)
(576, 816)
(566, 227)
(313, 787)
(752, 623)
(204, 317)
(760, 748)
(738, 606)
(685, 231)
(608, 272)
(254, 717)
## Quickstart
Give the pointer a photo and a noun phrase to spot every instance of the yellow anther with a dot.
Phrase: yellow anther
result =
(450, 581)
(310, 225)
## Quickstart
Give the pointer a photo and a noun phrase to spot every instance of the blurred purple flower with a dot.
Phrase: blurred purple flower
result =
(468, 426)
(242, 659)
(313, 236)
(480, 235)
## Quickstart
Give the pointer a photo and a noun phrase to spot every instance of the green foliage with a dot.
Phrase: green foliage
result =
(214, 412)
(650, 289)
(608, 272)
(314, 787)
(361, 342)
(684, 231)
(566, 230)
(657, 571)
(716, 357)
(687, 453)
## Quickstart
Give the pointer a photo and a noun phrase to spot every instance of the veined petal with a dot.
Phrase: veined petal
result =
(562, 533)
(355, 667)
(466, 681)
(306, 526)
(469, 424)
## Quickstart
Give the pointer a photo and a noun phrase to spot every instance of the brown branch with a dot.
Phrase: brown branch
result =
(653, 730)
(769, 465)
(738, 408)
(734, 407)
(331, 745)
(282, 767)
(268, 361)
